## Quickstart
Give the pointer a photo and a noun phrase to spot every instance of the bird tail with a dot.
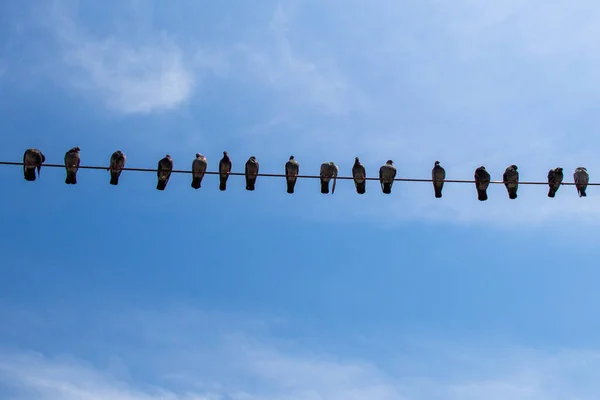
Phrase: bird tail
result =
(196, 182)
(512, 194)
(333, 186)
(114, 178)
(250, 183)
(71, 178)
(551, 192)
(582, 192)
(387, 187)
(361, 187)
(438, 192)
(482, 194)
(324, 187)
(29, 174)
(161, 185)
(39, 169)
(222, 183)
(290, 186)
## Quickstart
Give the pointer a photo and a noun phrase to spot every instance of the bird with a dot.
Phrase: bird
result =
(224, 170)
(251, 172)
(328, 171)
(117, 163)
(438, 174)
(511, 181)
(359, 174)
(292, 169)
(32, 160)
(72, 160)
(482, 181)
(387, 173)
(581, 178)
(165, 167)
(199, 166)
(555, 178)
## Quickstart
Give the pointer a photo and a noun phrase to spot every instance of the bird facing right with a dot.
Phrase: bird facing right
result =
(328, 171)
(117, 163)
(165, 167)
(251, 172)
(199, 166)
(582, 179)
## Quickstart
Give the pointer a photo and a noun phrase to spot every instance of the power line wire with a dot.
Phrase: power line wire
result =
(180, 171)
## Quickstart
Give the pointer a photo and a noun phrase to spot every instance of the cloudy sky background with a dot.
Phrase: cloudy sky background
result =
(129, 293)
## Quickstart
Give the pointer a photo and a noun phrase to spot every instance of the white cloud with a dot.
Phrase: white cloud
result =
(127, 75)
(173, 356)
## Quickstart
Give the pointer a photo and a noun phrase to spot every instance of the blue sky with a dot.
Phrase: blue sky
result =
(129, 293)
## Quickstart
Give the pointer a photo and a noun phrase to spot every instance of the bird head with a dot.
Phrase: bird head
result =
(253, 158)
(168, 156)
(481, 167)
(514, 167)
(559, 169)
(198, 155)
(76, 149)
(225, 153)
(437, 163)
(291, 157)
(389, 162)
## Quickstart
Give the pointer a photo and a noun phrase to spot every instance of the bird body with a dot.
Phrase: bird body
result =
(251, 172)
(438, 174)
(328, 171)
(359, 174)
(117, 163)
(482, 181)
(165, 167)
(555, 178)
(510, 178)
(199, 166)
(32, 160)
(292, 169)
(72, 160)
(387, 173)
(582, 179)
(224, 170)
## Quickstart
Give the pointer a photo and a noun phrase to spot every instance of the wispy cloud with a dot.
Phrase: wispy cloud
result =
(187, 362)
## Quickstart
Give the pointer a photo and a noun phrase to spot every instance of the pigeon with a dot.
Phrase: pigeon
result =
(72, 160)
(32, 159)
(199, 166)
(117, 163)
(328, 171)
(511, 181)
(387, 173)
(165, 167)
(251, 172)
(438, 174)
(581, 178)
(292, 168)
(224, 170)
(359, 174)
(555, 178)
(482, 181)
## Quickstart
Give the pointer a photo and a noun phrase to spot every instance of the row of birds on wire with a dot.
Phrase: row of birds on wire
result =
(33, 159)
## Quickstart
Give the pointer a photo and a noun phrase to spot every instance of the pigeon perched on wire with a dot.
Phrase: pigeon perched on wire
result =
(72, 160)
(251, 172)
(482, 181)
(32, 160)
(328, 171)
(292, 169)
(224, 170)
(555, 178)
(359, 174)
(117, 163)
(438, 174)
(387, 173)
(165, 167)
(199, 166)
(510, 178)
(582, 178)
